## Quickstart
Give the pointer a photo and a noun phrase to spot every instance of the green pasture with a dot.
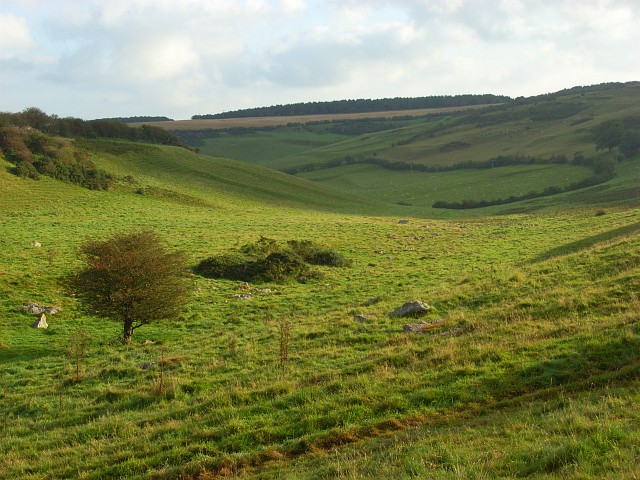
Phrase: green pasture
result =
(269, 148)
(421, 189)
(532, 369)
(552, 125)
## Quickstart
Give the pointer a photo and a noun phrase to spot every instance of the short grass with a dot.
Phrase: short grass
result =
(267, 148)
(533, 370)
(422, 189)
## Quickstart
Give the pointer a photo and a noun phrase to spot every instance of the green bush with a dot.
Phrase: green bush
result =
(33, 153)
(314, 254)
(263, 247)
(282, 266)
(230, 266)
(26, 170)
(267, 261)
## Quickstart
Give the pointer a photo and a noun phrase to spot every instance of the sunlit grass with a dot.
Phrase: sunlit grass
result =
(533, 370)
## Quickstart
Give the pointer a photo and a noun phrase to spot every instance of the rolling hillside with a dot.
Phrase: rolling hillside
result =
(527, 365)
(383, 157)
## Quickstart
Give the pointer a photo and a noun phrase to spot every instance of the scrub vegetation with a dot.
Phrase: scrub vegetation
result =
(528, 363)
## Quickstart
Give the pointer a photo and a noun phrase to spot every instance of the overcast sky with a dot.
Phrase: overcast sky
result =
(177, 58)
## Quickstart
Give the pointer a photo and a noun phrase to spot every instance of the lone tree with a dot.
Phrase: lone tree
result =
(132, 279)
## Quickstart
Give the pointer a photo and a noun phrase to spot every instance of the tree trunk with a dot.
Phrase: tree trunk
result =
(128, 331)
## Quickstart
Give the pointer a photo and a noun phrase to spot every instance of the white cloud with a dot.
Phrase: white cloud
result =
(15, 37)
(159, 58)
(138, 57)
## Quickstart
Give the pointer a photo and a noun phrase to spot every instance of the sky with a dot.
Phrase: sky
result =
(178, 58)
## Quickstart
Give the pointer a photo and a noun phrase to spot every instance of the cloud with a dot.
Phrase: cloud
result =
(16, 36)
(135, 57)
(159, 58)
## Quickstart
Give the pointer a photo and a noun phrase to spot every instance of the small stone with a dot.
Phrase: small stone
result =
(372, 301)
(243, 296)
(41, 322)
(410, 309)
(36, 244)
(414, 327)
(421, 327)
(363, 318)
(403, 222)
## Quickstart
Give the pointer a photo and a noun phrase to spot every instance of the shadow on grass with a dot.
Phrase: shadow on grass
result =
(588, 242)
(594, 362)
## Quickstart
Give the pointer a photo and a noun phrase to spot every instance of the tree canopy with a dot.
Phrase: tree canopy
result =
(133, 279)
(361, 105)
(608, 134)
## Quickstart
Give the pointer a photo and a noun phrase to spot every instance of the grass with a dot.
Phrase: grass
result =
(423, 189)
(444, 139)
(532, 372)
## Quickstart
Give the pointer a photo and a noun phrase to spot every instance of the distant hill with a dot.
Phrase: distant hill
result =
(360, 106)
(466, 157)
(138, 119)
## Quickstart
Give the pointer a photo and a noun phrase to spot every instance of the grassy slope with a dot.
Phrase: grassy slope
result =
(506, 130)
(541, 378)
(186, 173)
(546, 306)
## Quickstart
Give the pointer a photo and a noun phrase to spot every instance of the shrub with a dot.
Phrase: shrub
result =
(264, 246)
(229, 266)
(26, 170)
(314, 254)
(34, 154)
(266, 261)
(282, 266)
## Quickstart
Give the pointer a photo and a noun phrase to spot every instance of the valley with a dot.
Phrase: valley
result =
(527, 364)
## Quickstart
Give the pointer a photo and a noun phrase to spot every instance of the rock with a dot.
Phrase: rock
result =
(261, 290)
(32, 308)
(373, 301)
(35, 308)
(146, 365)
(410, 309)
(148, 342)
(243, 296)
(41, 322)
(421, 327)
(363, 318)
(403, 222)
(414, 327)
(36, 244)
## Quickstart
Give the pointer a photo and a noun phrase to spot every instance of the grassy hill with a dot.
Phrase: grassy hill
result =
(529, 367)
(543, 127)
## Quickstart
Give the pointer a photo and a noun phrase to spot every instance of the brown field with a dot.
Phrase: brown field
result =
(223, 123)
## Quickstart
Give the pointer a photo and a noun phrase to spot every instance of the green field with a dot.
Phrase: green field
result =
(543, 127)
(422, 189)
(531, 369)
